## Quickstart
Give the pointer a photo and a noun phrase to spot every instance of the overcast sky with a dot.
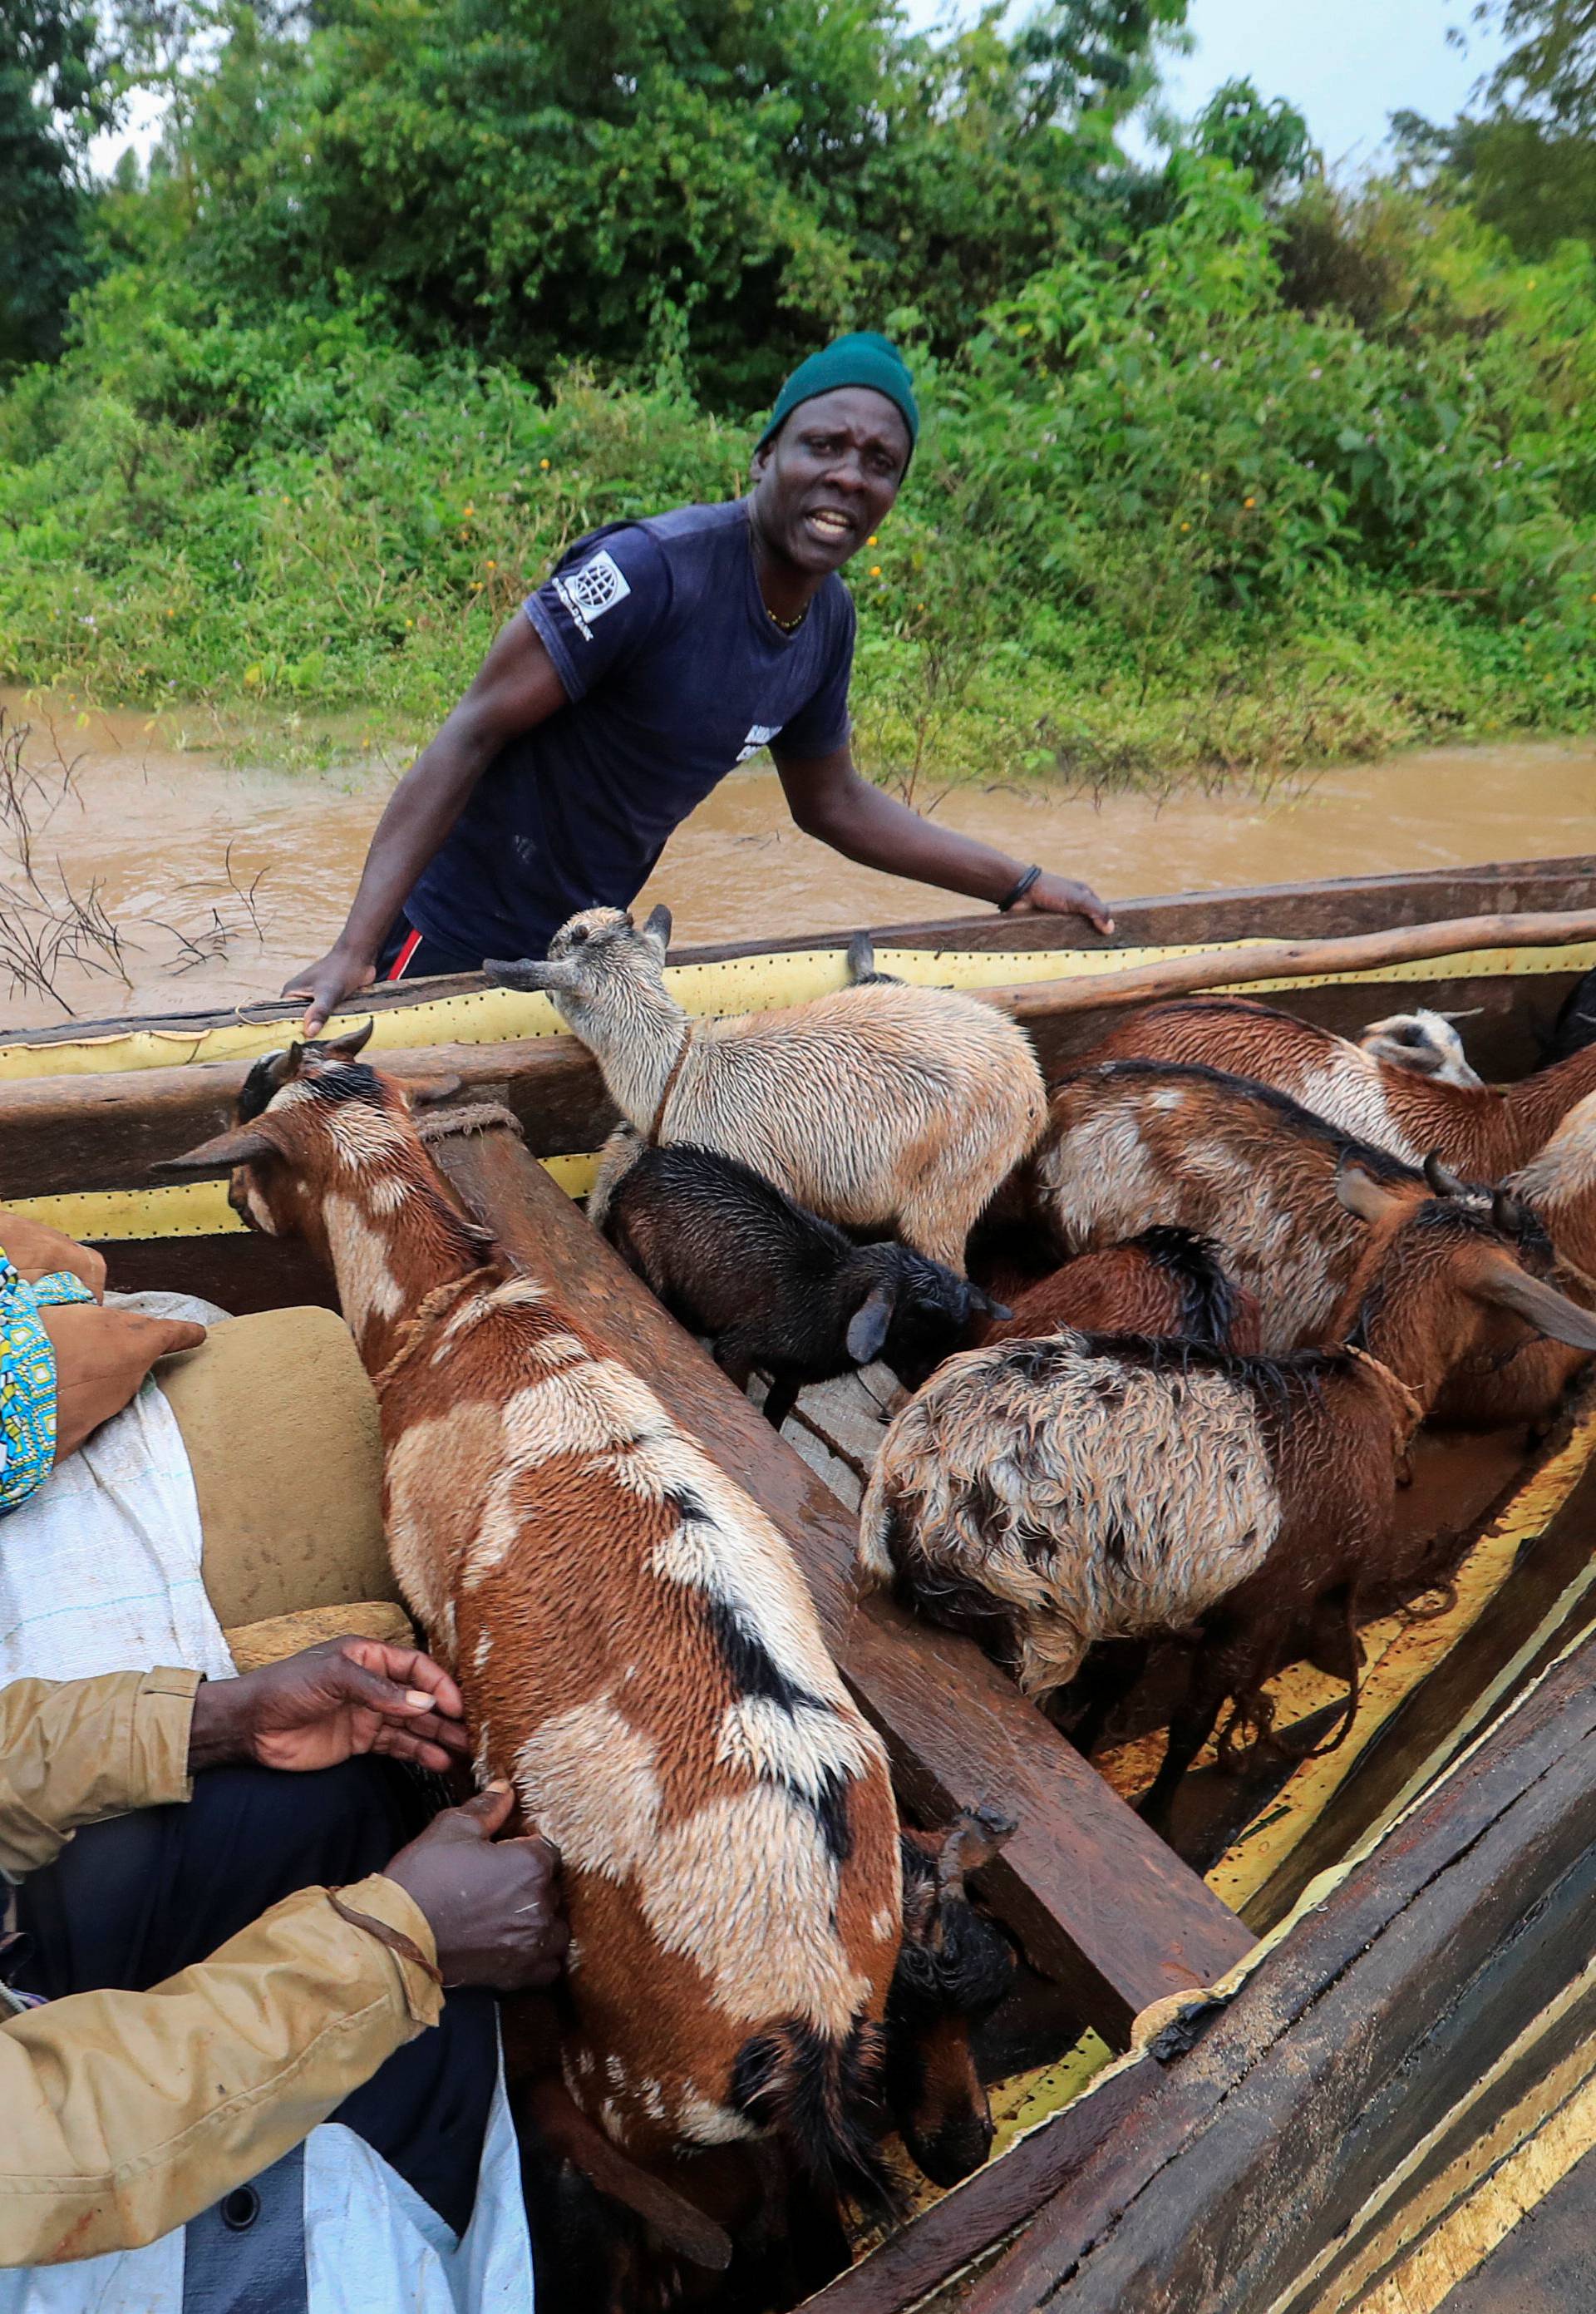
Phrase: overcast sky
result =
(1347, 64)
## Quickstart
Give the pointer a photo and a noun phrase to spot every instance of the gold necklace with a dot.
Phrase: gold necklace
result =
(787, 626)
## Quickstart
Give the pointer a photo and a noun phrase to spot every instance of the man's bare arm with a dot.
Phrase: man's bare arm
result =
(828, 799)
(514, 688)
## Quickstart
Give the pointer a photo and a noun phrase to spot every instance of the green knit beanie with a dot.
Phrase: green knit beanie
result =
(864, 358)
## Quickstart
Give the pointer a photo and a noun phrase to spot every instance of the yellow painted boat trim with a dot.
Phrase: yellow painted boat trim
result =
(1501, 2199)
(1399, 1656)
(198, 1208)
(750, 983)
(1486, 2180)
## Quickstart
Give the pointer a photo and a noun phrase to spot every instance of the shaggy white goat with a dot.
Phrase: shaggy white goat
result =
(881, 1106)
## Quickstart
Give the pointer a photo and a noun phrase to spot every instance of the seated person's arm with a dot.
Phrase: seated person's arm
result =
(67, 1365)
(123, 2115)
(37, 1251)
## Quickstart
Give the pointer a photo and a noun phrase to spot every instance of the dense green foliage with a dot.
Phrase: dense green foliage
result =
(56, 91)
(1218, 469)
(644, 180)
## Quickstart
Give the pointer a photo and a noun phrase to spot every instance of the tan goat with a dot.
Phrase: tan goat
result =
(881, 1106)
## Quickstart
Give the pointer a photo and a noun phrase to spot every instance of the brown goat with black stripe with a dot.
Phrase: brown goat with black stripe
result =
(1064, 1491)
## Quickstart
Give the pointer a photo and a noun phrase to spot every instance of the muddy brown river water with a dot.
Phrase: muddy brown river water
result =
(219, 882)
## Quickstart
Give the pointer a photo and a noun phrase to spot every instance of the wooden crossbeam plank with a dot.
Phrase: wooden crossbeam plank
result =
(1100, 1904)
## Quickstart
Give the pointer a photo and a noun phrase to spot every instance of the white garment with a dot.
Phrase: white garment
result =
(99, 1570)
(99, 1566)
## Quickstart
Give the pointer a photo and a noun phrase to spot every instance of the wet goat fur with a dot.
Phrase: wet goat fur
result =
(637, 1650)
(1133, 1142)
(956, 1966)
(1482, 1133)
(1097, 1488)
(879, 1106)
(776, 1287)
(1162, 1282)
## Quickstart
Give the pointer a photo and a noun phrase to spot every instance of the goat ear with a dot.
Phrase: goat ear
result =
(529, 975)
(347, 1047)
(1441, 1179)
(1360, 1193)
(245, 1144)
(866, 1329)
(974, 1839)
(423, 1092)
(984, 1306)
(657, 931)
(1501, 1281)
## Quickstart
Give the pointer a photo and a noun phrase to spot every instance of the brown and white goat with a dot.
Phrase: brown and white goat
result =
(881, 1106)
(1130, 1143)
(1163, 1283)
(637, 1650)
(1557, 1188)
(1484, 1133)
(1052, 1494)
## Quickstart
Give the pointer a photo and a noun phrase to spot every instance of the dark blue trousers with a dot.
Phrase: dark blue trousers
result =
(133, 1900)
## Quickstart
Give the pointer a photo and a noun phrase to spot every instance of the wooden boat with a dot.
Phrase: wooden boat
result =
(1324, 2058)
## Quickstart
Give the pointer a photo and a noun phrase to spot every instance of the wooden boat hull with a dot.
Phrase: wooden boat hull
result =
(83, 1133)
(1237, 2156)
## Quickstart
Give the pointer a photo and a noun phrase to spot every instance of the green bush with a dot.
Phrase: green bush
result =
(1160, 517)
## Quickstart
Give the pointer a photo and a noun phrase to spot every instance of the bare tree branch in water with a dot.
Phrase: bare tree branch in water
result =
(231, 915)
(44, 930)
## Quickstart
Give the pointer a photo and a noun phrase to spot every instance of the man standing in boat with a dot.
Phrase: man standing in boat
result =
(658, 656)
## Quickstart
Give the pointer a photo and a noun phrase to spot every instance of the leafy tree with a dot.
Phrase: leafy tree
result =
(694, 187)
(58, 88)
(1528, 163)
(1270, 141)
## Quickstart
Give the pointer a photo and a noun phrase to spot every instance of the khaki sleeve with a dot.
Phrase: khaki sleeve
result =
(74, 1751)
(125, 2113)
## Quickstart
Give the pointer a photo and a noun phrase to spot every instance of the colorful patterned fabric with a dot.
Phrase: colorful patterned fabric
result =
(28, 1379)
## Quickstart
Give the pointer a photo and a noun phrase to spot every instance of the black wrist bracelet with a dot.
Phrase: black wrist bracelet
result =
(1019, 891)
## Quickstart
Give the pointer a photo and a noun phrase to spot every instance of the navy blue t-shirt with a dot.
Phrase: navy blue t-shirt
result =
(673, 672)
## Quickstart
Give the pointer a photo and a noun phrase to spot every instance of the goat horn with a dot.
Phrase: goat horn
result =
(1509, 1214)
(1551, 1313)
(1441, 1179)
(352, 1042)
(973, 1838)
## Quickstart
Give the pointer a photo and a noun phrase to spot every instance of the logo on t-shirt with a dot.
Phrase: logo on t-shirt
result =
(591, 591)
(760, 735)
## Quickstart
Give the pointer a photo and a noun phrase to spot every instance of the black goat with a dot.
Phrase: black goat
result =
(776, 1287)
